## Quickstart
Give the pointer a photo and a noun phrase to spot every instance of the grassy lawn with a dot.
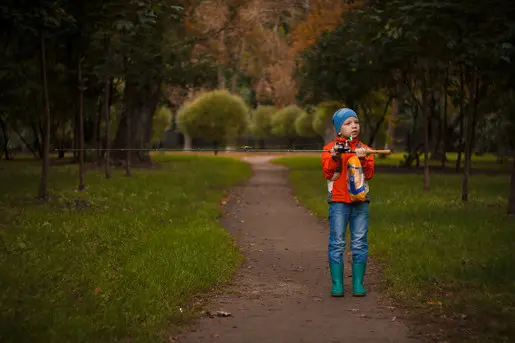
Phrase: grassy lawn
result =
(452, 262)
(120, 260)
(486, 161)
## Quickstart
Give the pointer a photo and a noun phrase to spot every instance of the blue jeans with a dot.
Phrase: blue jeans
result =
(340, 215)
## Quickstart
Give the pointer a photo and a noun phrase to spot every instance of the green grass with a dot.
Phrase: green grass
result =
(485, 161)
(436, 249)
(124, 265)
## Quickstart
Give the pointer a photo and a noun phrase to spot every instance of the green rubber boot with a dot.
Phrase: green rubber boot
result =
(337, 279)
(358, 273)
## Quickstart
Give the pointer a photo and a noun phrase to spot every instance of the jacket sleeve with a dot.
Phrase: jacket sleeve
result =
(329, 165)
(368, 164)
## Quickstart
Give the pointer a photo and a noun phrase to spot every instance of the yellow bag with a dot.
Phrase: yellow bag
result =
(357, 185)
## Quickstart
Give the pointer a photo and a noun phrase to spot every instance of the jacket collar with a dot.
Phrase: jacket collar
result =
(353, 144)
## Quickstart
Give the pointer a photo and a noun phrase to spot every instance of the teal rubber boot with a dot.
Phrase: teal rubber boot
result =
(358, 273)
(337, 279)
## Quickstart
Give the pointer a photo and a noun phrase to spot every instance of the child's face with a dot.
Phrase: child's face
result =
(350, 127)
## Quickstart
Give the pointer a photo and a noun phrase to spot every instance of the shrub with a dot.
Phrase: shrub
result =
(283, 122)
(217, 117)
(261, 126)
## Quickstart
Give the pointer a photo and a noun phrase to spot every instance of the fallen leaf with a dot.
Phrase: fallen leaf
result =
(222, 314)
(434, 303)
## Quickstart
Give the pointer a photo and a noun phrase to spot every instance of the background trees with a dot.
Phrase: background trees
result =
(426, 78)
(443, 76)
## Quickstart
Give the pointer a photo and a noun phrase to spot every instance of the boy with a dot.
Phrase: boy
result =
(348, 204)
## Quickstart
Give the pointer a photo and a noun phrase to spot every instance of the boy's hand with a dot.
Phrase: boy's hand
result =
(335, 154)
(361, 152)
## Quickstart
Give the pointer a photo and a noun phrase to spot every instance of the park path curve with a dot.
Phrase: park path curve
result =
(281, 292)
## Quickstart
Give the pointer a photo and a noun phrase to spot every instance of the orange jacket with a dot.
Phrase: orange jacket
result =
(337, 179)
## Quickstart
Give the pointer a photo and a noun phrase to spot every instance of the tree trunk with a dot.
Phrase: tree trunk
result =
(5, 149)
(128, 154)
(435, 122)
(215, 148)
(462, 121)
(471, 123)
(426, 111)
(379, 123)
(444, 129)
(390, 136)
(81, 125)
(148, 112)
(37, 144)
(220, 69)
(139, 106)
(236, 74)
(187, 142)
(511, 200)
(444, 123)
(96, 129)
(43, 185)
(426, 148)
(107, 113)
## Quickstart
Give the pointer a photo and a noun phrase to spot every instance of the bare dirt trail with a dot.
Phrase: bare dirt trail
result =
(281, 292)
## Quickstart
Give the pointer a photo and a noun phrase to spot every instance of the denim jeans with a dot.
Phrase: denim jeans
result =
(340, 215)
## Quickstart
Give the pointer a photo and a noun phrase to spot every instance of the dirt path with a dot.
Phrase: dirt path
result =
(281, 293)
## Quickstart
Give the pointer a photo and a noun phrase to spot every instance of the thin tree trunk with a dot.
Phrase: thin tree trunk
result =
(380, 122)
(426, 150)
(462, 121)
(435, 125)
(234, 86)
(128, 155)
(215, 148)
(471, 123)
(425, 117)
(390, 137)
(511, 200)
(221, 74)
(96, 129)
(187, 142)
(43, 186)
(5, 149)
(81, 126)
(107, 112)
(444, 123)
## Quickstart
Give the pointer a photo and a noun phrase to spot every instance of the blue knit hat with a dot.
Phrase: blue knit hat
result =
(340, 116)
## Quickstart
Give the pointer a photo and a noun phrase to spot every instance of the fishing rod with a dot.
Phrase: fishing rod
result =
(245, 149)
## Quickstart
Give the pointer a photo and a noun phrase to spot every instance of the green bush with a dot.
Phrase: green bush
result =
(218, 117)
(161, 121)
(283, 122)
(261, 125)
(304, 125)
